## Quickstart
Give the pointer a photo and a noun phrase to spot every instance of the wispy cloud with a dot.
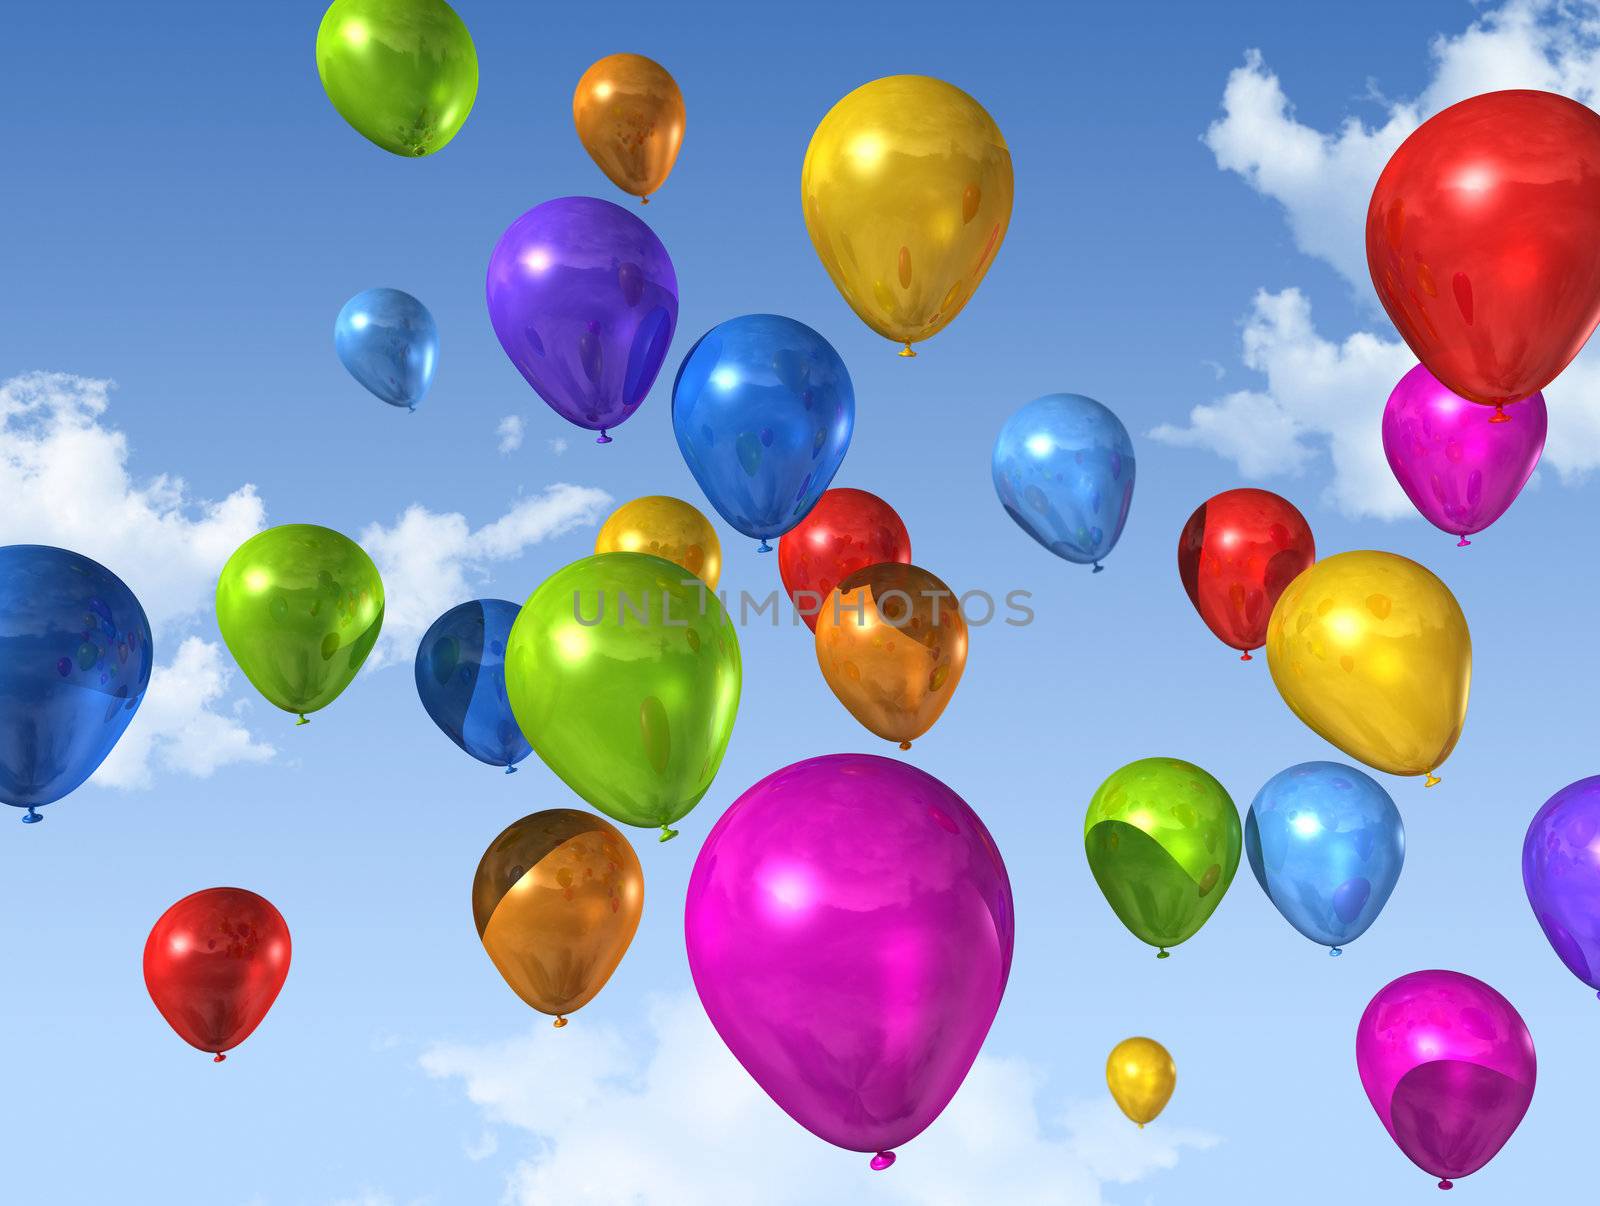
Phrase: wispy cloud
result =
(509, 433)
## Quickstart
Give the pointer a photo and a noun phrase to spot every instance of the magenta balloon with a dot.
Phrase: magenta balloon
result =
(849, 925)
(1449, 1066)
(1457, 465)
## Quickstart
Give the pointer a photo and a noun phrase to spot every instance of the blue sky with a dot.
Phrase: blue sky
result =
(184, 214)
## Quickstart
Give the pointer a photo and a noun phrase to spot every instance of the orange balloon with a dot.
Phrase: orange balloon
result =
(557, 899)
(892, 644)
(629, 113)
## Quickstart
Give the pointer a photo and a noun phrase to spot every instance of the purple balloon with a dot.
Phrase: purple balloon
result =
(584, 300)
(1458, 463)
(1561, 872)
(849, 925)
(1449, 1066)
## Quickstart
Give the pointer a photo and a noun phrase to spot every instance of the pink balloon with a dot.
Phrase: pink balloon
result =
(1458, 464)
(1448, 1064)
(849, 925)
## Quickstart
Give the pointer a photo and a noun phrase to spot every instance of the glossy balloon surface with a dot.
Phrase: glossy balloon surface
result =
(630, 117)
(461, 680)
(849, 927)
(388, 342)
(1063, 467)
(846, 531)
(668, 528)
(1236, 554)
(1141, 1076)
(1561, 873)
(75, 659)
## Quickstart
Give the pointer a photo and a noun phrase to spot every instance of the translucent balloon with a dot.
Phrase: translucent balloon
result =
(389, 342)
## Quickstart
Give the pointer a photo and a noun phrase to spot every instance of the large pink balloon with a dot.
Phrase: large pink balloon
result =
(1448, 1065)
(849, 928)
(1460, 467)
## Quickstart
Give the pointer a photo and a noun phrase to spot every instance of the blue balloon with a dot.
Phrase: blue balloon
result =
(461, 680)
(1326, 844)
(1063, 467)
(390, 343)
(75, 659)
(763, 410)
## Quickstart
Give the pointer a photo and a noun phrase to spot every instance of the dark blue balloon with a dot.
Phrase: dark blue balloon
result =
(390, 343)
(1326, 844)
(1063, 468)
(461, 680)
(763, 410)
(75, 660)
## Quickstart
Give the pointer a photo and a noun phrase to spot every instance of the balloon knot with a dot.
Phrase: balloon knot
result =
(882, 1161)
(1098, 568)
(510, 770)
(559, 1022)
(905, 354)
(764, 547)
(1499, 416)
(905, 745)
(644, 200)
(1463, 543)
(667, 834)
(603, 438)
(1333, 950)
(302, 720)
(1448, 1184)
(31, 817)
(1140, 1125)
(1164, 954)
(1245, 656)
(218, 1058)
(1432, 780)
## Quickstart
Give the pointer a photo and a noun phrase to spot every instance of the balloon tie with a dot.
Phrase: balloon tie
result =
(31, 817)
(1333, 950)
(1245, 656)
(667, 834)
(302, 720)
(510, 770)
(1463, 543)
(764, 547)
(905, 353)
(1164, 954)
(1448, 1184)
(1140, 1125)
(1098, 567)
(604, 438)
(559, 1022)
(905, 745)
(411, 409)
(883, 1159)
(1432, 780)
(218, 1058)
(1499, 416)
(644, 200)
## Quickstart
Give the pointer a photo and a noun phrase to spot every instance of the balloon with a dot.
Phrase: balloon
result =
(556, 899)
(75, 660)
(624, 674)
(214, 964)
(668, 528)
(584, 300)
(1459, 471)
(388, 341)
(1372, 652)
(1448, 1064)
(763, 409)
(403, 73)
(906, 189)
(1480, 240)
(1326, 844)
(300, 608)
(461, 680)
(629, 114)
(847, 530)
(1063, 468)
(1561, 872)
(849, 926)
(1236, 554)
(1163, 840)
(892, 644)
(1141, 1076)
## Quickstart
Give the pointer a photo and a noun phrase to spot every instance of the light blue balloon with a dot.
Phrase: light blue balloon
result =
(1326, 843)
(763, 409)
(1063, 468)
(390, 343)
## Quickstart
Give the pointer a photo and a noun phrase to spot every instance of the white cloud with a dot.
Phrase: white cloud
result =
(558, 445)
(509, 433)
(684, 1124)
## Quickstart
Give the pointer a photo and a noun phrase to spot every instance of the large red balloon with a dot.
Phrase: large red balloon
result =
(1483, 240)
(1237, 553)
(214, 964)
(846, 531)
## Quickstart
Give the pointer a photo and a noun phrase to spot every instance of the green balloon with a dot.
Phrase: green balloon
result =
(402, 72)
(300, 608)
(1163, 841)
(623, 671)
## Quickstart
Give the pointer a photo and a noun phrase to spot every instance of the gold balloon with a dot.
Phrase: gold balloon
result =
(629, 113)
(668, 528)
(1141, 1076)
(1372, 652)
(907, 194)
(557, 899)
(892, 645)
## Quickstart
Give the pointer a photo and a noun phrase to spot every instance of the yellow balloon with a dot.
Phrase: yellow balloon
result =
(907, 194)
(668, 528)
(1373, 653)
(1141, 1076)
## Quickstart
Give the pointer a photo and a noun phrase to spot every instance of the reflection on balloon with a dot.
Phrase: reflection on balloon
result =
(1141, 1076)
(629, 114)
(1235, 555)
(668, 528)
(1561, 873)
(847, 530)
(389, 343)
(461, 680)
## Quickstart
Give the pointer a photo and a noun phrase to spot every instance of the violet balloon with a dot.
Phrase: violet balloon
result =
(849, 926)
(1457, 466)
(1448, 1064)
(584, 301)
(1561, 873)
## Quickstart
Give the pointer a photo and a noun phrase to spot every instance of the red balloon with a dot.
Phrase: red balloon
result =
(846, 531)
(1483, 240)
(1237, 553)
(214, 964)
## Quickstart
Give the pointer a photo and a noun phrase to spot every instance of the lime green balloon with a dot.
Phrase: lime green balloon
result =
(1163, 841)
(300, 608)
(623, 671)
(402, 72)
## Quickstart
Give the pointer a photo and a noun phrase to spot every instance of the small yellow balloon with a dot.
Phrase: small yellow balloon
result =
(1372, 652)
(668, 528)
(907, 193)
(1141, 1076)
